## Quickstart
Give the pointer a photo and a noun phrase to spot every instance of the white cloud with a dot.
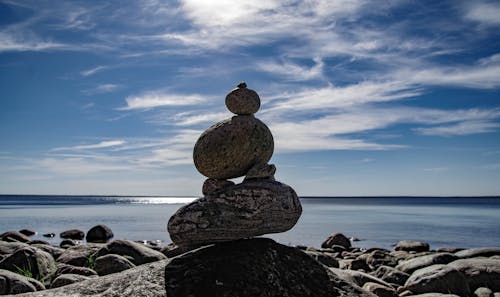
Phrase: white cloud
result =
(156, 99)
(483, 12)
(11, 43)
(195, 118)
(462, 128)
(344, 96)
(102, 144)
(293, 71)
(92, 71)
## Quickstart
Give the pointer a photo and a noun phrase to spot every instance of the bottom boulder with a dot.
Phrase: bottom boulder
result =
(253, 267)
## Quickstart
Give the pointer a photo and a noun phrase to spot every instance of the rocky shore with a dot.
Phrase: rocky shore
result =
(217, 251)
(247, 267)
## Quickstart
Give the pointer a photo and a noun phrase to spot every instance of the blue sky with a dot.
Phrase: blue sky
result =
(362, 97)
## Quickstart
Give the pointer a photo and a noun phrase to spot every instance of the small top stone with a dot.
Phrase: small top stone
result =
(243, 101)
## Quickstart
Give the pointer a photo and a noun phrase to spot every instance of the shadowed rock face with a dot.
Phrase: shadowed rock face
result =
(252, 267)
(230, 148)
(252, 208)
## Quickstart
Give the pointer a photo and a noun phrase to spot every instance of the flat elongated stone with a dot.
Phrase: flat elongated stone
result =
(252, 208)
(230, 148)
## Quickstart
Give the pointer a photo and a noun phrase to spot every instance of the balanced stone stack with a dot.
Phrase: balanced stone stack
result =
(236, 147)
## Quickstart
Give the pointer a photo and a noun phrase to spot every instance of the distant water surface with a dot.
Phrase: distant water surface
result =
(443, 222)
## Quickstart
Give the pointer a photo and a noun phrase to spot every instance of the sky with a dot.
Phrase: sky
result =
(364, 98)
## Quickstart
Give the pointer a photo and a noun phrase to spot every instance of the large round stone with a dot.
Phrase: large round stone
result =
(230, 148)
(243, 101)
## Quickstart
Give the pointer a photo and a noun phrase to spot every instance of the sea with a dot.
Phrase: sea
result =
(371, 221)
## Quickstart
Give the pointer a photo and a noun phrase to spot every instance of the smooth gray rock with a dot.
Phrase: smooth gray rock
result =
(40, 264)
(357, 277)
(231, 147)
(14, 236)
(412, 246)
(243, 101)
(336, 239)
(261, 171)
(143, 281)
(478, 252)
(483, 292)
(13, 283)
(67, 279)
(438, 278)
(27, 232)
(72, 234)
(433, 295)
(7, 248)
(212, 185)
(70, 269)
(324, 258)
(480, 272)
(413, 264)
(99, 234)
(140, 253)
(54, 251)
(66, 243)
(249, 209)
(391, 275)
(252, 267)
(379, 257)
(79, 255)
(112, 263)
(380, 290)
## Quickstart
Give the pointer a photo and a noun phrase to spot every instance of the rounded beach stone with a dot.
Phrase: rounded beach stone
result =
(231, 147)
(73, 234)
(336, 239)
(212, 185)
(99, 233)
(243, 101)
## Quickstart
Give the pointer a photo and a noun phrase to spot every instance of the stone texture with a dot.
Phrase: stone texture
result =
(70, 269)
(231, 147)
(72, 234)
(54, 251)
(140, 253)
(27, 232)
(112, 263)
(391, 275)
(243, 101)
(357, 277)
(324, 258)
(99, 234)
(14, 236)
(253, 267)
(13, 283)
(412, 246)
(79, 255)
(336, 239)
(67, 279)
(40, 264)
(249, 209)
(380, 290)
(261, 171)
(478, 252)
(411, 265)
(67, 243)
(212, 185)
(379, 257)
(483, 292)
(438, 278)
(144, 281)
(480, 272)
(7, 248)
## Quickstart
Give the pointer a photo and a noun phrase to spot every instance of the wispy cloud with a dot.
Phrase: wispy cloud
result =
(483, 12)
(93, 71)
(293, 71)
(462, 128)
(157, 99)
(11, 43)
(102, 144)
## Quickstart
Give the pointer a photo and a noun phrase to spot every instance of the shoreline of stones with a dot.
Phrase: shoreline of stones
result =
(411, 269)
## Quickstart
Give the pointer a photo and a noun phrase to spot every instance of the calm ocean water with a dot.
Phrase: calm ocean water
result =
(442, 222)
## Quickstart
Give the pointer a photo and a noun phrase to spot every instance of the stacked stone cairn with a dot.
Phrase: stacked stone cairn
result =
(236, 147)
